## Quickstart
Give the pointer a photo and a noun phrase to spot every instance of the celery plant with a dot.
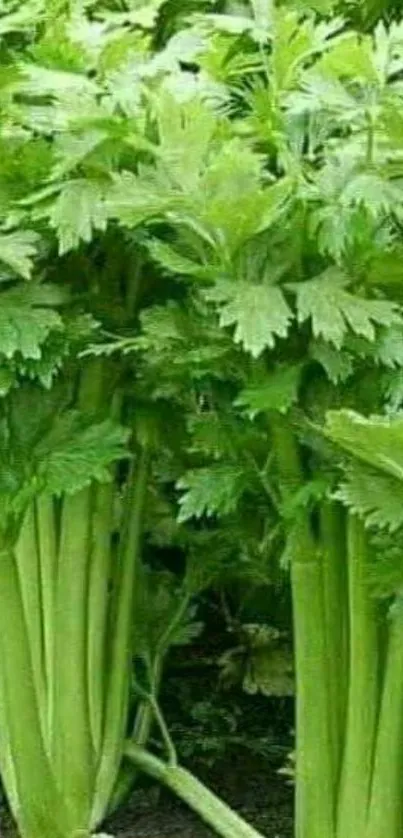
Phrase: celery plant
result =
(287, 237)
(80, 439)
(69, 592)
(224, 196)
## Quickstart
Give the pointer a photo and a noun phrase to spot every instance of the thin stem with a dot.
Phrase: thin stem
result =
(121, 647)
(128, 772)
(263, 479)
(142, 727)
(166, 736)
(164, 641)
(217, 814)
(145, 712)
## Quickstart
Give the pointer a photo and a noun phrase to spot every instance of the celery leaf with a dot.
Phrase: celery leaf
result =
(276, 391)
(210, 491)
(375, 497)
(76, 453)
(17, 250)
(78, 211)
(259, 313)
(27, 318)
(334, 311)
(377, 440)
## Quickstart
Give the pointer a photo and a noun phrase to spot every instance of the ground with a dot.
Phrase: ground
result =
(254, 789)
(247, 779)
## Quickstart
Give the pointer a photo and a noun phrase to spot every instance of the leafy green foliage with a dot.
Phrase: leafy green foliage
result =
(333, 310)
(211, 491)
(377, 441)
(48, 449)
(164, 616)
(259, 662)
(73, 455)
(259, 314)
(278, 391)
(385, 571)
(263, 188)
(77, 213)
(218, 188)
(337, 364)
(375, 497)
(17, 250)
(27, 317)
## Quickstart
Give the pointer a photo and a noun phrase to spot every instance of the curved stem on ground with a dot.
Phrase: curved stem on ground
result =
(217, 814)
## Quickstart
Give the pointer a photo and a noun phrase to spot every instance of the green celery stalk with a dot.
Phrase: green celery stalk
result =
(27, 556)
(333, 545)
(98, 604)
(363, 694)
(315, 768)
(120, 660)
(35, 800)
(47, 551)
(73, 756)
(386, 803)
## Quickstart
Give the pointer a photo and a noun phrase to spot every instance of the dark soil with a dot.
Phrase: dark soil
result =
(250, 786)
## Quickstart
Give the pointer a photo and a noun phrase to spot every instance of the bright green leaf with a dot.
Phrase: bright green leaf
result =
(277, 391)
(337, 364)
(377, 498)
(134, 200)
(176, 263)
(79, 454)
(27, 318)
(210, 491)
(78, 211)
(17, 251)
(334, 311)
(259, 313)
(377, 441)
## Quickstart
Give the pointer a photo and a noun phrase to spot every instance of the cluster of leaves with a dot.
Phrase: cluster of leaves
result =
(212, 202)
(209, 731)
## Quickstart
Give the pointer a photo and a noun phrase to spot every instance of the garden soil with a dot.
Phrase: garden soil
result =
(255, 790)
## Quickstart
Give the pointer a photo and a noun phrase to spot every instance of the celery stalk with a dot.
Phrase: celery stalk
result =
(333, 545)
(118, 684)
(73, 757)
(315, 791)
(386, 804)
(363, 694)
(27, 556)
(98, 603)
(47, 551)
(315, 787)
(35, 800)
